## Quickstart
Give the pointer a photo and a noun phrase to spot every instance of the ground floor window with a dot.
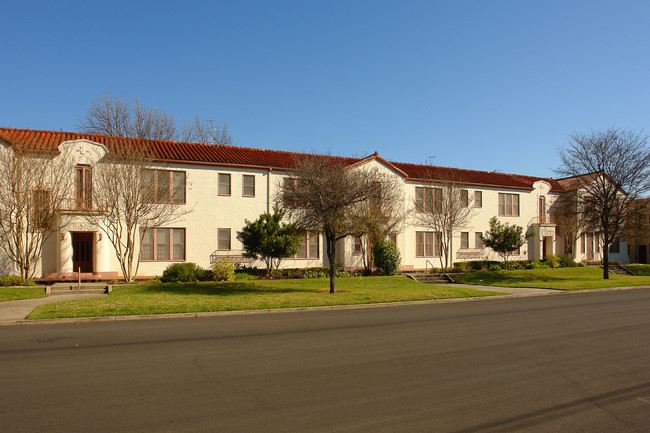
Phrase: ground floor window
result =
(428, 244)
(223, 239)
(163, 244)
(310, 247)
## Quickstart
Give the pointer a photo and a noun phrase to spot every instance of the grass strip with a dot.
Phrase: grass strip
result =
(559, 279)
(15, 293)
(166, 298)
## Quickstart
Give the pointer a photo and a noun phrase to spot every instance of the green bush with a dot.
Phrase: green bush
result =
(494, 267)
(461, 266)
(182, 272)
(15, 281)
(387, 257)
(244, 276)
(203, 274)
(552, 261)
(223, 269)
(567, 262)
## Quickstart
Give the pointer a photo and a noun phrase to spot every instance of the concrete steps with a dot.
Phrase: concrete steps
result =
(619, 270)
(73, 288)
(429, 278)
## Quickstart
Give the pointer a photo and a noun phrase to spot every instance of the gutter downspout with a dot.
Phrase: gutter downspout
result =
(268, 191)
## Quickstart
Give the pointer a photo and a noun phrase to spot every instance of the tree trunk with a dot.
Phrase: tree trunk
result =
(606, 262)
(331, 254)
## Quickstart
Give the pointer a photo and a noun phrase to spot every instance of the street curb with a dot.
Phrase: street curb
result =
(77, 320)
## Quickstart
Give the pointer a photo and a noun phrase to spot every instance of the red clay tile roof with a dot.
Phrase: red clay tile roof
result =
(194, 153)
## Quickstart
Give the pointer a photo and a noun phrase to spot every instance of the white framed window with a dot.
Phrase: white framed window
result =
(162, 244)
(248, 185)
(310, 247)
(464, 240)
(478, 199)
(478, 240)
(223, 239)
(427, 244)
(508, 204)
(464, 197)
(224, 184)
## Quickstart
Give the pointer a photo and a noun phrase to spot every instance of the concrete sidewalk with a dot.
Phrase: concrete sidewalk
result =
(14, 311)
(516, 291)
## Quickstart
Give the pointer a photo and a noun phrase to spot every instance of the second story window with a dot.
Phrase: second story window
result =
(83, 187)
(428, 199)
(464, 197)
(41, 209)
(478, 199)
(248, 185)
(508, 204)
(224, 184)
(166, 186)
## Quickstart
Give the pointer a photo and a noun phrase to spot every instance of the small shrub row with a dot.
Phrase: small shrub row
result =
(15, 281)
(186, 272)
(316, 272)
(550, 261)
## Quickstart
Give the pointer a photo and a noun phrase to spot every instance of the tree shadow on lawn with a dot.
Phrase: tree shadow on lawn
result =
(215, 288)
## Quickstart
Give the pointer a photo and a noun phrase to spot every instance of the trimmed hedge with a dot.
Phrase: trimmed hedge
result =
(15, 281)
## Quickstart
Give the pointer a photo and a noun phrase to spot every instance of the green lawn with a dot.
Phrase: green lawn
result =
(560, 279)
(160, 298)
(14, 293)
(639, 269)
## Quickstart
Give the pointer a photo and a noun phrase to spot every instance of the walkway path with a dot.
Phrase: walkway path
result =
(12, 311)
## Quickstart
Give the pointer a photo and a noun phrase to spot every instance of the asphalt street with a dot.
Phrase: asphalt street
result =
(574, 363)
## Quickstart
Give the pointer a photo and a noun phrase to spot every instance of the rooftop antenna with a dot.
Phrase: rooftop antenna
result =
(430, 159)
(212, 121)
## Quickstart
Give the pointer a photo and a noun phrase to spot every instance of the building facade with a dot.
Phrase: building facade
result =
(219, 187)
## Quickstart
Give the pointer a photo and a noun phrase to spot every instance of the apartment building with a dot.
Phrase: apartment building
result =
(220, 187)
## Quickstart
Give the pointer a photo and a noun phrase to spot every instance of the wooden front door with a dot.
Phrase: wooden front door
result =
(82, 252)
(643, 254)
(590, 246)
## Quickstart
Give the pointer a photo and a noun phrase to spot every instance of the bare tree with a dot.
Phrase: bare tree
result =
(609, 170)
(374, 220)
(112, 116)
(208, 132)
(569, 220)
(133, 196)
(322, 195)
(444, 209)
(32, 187)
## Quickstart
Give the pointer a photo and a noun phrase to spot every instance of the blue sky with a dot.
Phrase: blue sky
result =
(485, 85)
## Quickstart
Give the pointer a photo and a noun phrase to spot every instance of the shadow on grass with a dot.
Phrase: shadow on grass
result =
(213, 288)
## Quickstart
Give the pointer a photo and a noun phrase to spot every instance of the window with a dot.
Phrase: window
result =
(615, 247)
(163, 244)
(478, 240)
(310, 247)
(223, 239)
(41, 209)
(464, 240)
(478, 199)
(84, 187)
(427, 244)
(165, 186)
(596, 243)
(583, 243)
(290, 188)
(248, 185)
(428, 199)
(224, 184)
(393, 238)
(508, 204)
(464, 197)
(357, 245)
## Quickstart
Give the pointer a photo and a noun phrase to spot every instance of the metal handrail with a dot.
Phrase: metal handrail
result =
(426, 266)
